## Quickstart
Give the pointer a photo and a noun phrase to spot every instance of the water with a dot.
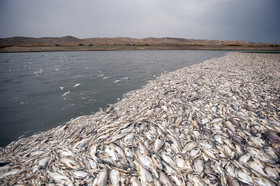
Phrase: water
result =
(39, 91)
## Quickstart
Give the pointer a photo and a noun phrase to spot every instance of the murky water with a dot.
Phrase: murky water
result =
(39, 91)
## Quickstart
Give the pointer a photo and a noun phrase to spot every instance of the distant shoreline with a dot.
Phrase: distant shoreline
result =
(17, 49)
(70, 43)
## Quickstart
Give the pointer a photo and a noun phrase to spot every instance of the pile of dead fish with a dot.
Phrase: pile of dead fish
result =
(215, 123)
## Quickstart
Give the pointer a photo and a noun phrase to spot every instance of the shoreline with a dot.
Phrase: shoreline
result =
(19, 49)
(213, 118)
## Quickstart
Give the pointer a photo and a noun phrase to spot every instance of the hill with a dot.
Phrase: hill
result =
(17, 44)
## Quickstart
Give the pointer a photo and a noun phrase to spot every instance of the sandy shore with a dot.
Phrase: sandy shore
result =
(208, 124)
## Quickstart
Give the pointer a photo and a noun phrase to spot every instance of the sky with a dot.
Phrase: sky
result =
(247, 20)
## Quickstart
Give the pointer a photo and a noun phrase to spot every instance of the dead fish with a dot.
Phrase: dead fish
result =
(11, 172)
(143, 149)
(114, 177)
(111, 152)
(160, 131)
(59, 178)
(195, 153)
(158, 144)
(178, 121)
(263, 181)
(80, 174)
(196, 180)
(93, 151)
(81, 143)
(114, 138)
(165, 179)
(118, 149)
(207, 132)
(198, 165)
(196, 124)
(145, 160)
(129, 138)
(244, 158)
(233, 121)
(134, 181)
(180, 163)
(101, 179)
(272, 172)
(157, 161)
(41, 164)
(232, 182)
(216, 120)
(244, 176)
(274, 140)
(230, 126)
(76, 85)
(209, 153)
(66, 153)
(256, 141)
(178, 179)
(66, 93)
(145, 175)
(257, 166)
(230, 170)
(189, 146)
(129, 152)
(70, 163)
(167, 159)
(175, 145)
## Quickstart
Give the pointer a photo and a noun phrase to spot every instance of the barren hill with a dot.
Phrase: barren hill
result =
(70, 43)
(70, 40)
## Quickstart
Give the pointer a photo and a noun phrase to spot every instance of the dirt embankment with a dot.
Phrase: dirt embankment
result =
(69, 43)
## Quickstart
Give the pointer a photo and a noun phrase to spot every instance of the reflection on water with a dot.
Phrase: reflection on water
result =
(42, 90)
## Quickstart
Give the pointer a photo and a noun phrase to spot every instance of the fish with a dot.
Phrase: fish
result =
(41, 164)
(273, 139)
(102, 178)
(82, 143)
(165, 179)
(60, 178)
(230, 126)
(196, 124)
(76, 85)
(80, 174)
(134, 181)
(189, 146)
(114, 177)
(66, 93)
(158, 144)
(70, 163)
(145, 175)
(11, 172)
(198, 165)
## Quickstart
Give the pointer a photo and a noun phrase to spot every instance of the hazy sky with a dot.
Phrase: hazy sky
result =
(248, 20)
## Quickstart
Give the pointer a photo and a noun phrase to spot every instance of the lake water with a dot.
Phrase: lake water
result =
(39, 91)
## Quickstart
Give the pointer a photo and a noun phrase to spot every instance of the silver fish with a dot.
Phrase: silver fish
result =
(60, 179)
(165, 179)
(70, 163)
(102, 177)
(41, 164)
(145, 176)
(114, 177)
(158, 144)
